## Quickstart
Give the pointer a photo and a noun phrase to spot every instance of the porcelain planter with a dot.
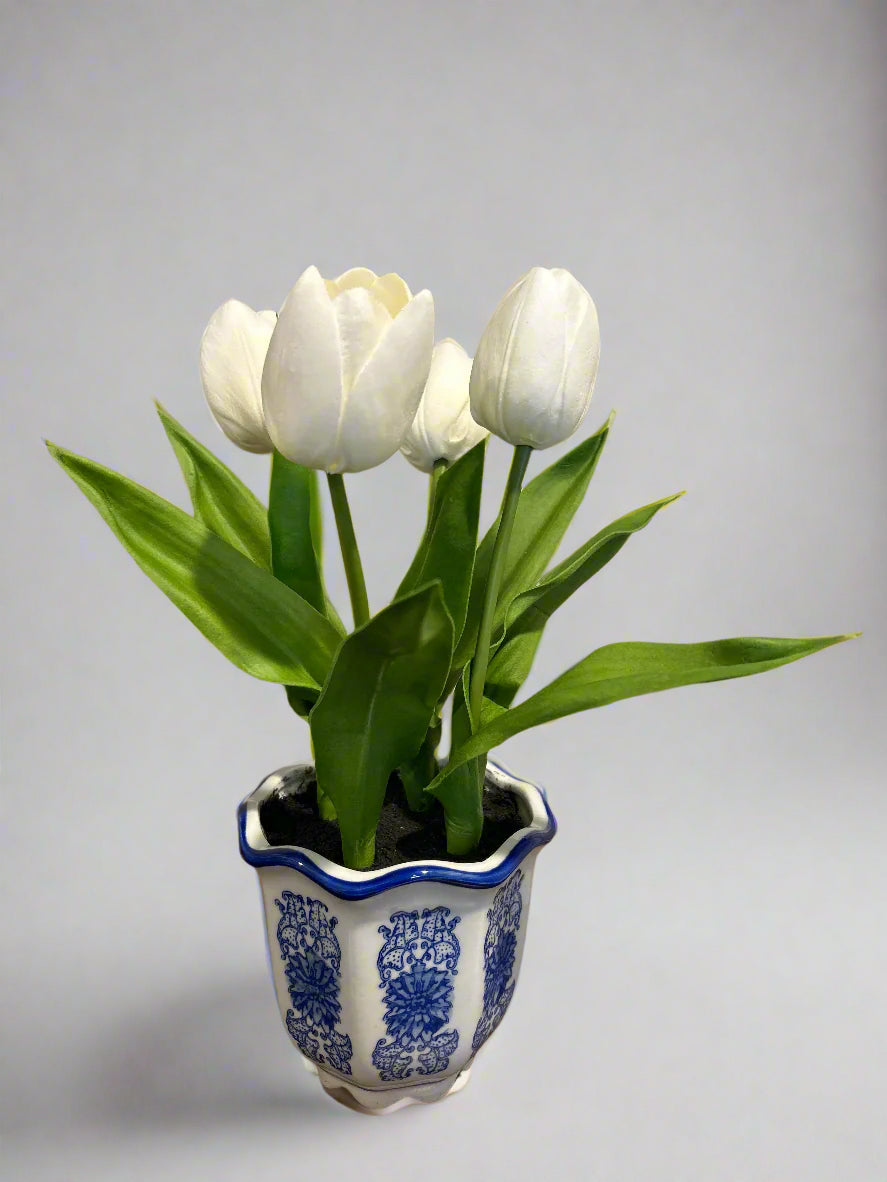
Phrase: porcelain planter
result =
(390, 981)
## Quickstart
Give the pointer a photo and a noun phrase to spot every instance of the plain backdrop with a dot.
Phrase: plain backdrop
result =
(703, 994)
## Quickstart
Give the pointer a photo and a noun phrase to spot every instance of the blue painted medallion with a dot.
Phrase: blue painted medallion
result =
(500, 948)
(417, 964)
(312, 961)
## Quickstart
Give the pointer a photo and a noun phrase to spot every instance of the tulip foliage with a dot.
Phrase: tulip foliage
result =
(342, 379)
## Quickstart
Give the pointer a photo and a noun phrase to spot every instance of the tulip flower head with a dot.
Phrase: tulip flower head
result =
(346, 367)
(443, 428)
(535, 367)
(232, 354)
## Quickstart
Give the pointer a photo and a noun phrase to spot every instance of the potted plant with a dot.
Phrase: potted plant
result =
(396, 884)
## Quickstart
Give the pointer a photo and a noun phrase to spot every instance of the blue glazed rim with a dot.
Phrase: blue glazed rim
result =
(364, 884)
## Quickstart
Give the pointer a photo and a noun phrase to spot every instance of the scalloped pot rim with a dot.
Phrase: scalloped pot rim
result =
(539, 829)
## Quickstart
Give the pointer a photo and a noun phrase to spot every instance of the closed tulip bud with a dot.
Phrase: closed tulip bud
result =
(232, 353)
(537, 360)
(345, 369)
(443, 428)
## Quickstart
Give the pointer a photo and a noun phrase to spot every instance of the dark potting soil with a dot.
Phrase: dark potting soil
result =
(289, 816)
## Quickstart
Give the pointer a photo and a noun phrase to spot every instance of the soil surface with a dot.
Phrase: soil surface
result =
(289, 817)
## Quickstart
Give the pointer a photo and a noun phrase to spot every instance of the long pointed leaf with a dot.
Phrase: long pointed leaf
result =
(545, 509)
(447, 549)
(220, 499)
(620, 671)
(521, 625)
(375, 710)
(252, 618)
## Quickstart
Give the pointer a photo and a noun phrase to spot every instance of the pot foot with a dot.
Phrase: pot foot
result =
(380, 1102)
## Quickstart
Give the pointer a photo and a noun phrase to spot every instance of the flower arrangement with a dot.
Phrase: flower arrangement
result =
(345, 376)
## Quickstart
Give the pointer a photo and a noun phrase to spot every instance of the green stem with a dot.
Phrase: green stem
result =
(494, 579)
(357, 589)
(440, 466)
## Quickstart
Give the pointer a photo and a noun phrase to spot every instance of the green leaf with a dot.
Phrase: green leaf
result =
(620, 671)
(294, 520)
(300, 703)
(521, 625)
(545, 509)
(375, 710)
(259, 624)
(220, 499)
(417, 772)
(446, 551)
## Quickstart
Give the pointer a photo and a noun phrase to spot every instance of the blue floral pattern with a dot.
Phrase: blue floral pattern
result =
(417, 963)
(500, 948)
(312, 961)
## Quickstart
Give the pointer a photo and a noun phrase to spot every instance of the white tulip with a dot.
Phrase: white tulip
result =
(537, 360)
(443, 428)
(232, 353)
(345, 369)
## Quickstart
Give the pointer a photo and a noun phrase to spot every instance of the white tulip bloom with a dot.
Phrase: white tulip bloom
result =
(443, 428)
(533, 375)
(232, 353)
(346, 367)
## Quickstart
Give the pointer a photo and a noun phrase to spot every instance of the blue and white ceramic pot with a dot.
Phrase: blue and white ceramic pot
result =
(390, 981)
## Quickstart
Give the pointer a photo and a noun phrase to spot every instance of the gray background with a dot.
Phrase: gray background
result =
(704, 993)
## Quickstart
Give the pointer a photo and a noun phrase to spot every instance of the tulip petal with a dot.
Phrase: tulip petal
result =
(443, 428)
(354, 277)
(584, 357)
(383, 401)
(490, 368)
(391, 289)
(302, 378)
(393, 292)
(362, 319)
(232, 353)
(531, 396)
